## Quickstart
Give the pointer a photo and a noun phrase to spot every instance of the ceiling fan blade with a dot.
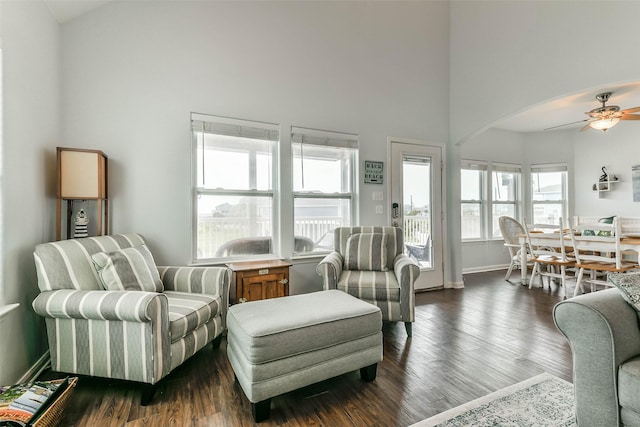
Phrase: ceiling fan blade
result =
(585, 127)
(567, 124)
(631, 110)
(630, 117)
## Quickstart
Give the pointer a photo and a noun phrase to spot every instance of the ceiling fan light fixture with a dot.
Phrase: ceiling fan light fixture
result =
(604, 124)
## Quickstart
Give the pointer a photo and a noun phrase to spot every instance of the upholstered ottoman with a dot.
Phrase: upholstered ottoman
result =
(281, 344)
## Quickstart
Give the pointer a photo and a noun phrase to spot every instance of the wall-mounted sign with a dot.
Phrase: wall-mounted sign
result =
(373, 172)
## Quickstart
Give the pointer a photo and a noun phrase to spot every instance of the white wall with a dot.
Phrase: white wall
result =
(133, 71)
(525, 149)
(508, 56)
(30, 49)
(583, 152)
(498, 146)
(551, 147)
(617, 150)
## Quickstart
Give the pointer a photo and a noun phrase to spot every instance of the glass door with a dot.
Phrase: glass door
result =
(416, 206)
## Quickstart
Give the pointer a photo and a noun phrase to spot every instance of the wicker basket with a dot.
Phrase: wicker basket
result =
(52, 416)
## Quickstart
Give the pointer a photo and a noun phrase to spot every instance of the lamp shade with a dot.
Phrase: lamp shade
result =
(82, 174)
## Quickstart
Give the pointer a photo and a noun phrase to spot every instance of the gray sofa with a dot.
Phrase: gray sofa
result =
(602, 329)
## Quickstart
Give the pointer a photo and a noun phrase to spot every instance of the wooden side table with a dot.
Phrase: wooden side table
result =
(257, 280)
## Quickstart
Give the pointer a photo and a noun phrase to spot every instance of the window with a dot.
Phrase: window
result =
(324, 186)
(481, 208)
(549, 193)
(505, 194)
(472, 181)
(233, 186)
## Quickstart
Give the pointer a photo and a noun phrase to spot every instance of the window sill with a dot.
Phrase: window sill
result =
(496, 240)
(307, 257)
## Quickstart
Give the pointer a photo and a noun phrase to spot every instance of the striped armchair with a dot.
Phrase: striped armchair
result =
(369, 263)
(136, 335)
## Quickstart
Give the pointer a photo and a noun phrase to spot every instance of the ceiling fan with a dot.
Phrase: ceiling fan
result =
(605, 117)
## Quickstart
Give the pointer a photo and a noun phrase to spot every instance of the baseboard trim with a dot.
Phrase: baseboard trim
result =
(454, 285)
(34, 372)
(485, 268)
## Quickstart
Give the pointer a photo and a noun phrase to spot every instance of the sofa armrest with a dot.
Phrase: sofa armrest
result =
(196, 280)
(199, 280)
(602, 330)
(406, 271)
(130, 306)
(330, 269)
(75, 316)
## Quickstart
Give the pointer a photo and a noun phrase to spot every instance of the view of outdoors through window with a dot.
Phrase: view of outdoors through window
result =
(471, 181)
(323, 187)
(234, 187)
(234, 190)
(549, 196)
(416, 185)
(504, 198)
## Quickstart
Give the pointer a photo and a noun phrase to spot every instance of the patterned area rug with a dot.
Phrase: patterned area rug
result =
(543, 400)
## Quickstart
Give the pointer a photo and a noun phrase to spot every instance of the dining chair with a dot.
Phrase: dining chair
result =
(511, 229)
(553, 257)
(597, 249)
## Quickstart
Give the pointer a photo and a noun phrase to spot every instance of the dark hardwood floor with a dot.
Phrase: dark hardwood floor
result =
(466, 343)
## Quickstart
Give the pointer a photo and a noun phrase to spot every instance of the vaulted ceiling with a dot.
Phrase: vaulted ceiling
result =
(66, 10)
(572, 108)
(559, 111)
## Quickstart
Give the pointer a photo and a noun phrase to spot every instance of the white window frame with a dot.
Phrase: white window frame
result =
(245, 128)
(300, 135)
(551, 167)
(481, 166)
(516, 169)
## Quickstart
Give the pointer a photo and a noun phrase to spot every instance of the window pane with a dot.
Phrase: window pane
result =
(322, 165)
(233, 163)
(315, 220)
(471, 221)
(547, 213)
(499, 210)
(470, 181)
(547, 186)
(321, 169)
(229, 225)
(504, 186)
(416, 189)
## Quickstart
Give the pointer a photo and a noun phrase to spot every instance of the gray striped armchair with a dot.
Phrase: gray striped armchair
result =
(110, 312)
(369, 263)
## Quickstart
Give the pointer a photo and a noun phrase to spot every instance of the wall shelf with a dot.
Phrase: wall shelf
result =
(603, 186)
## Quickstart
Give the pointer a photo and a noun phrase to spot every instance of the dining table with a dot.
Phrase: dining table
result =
(589, 243)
